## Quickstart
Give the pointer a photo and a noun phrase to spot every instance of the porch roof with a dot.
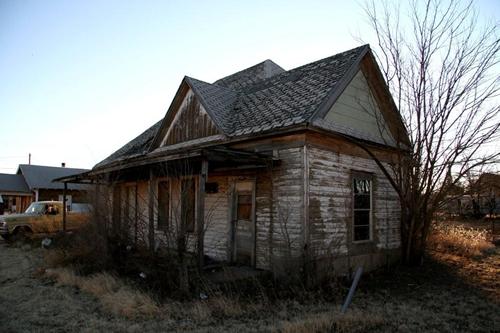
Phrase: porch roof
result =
(224, 158)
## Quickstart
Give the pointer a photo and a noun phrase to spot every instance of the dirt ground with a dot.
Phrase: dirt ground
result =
(447, 294)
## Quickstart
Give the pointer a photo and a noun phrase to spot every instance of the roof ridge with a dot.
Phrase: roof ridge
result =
(211, 84)
(267, 61)
(329, 57)
(265, 82)
(48, 166)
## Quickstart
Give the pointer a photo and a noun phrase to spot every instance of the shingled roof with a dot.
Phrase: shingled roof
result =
(261, 98)
(41, 177)
(137, 146)
(13, 183)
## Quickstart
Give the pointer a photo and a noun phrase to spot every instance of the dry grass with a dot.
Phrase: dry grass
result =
(115, 296)
(64, 277)
(460, 240)
(54, 258)
(449, 293)
(216, 307)
(101, 284)
(334, 322)
(129, 303)
(200, 312)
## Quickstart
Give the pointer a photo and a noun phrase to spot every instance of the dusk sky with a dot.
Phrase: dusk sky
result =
(79, 79)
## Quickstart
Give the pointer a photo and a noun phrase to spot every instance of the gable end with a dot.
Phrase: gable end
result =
(190, 121)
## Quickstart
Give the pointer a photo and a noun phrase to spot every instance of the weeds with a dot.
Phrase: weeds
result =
(114, 295)
(334, 322)
(459, 240)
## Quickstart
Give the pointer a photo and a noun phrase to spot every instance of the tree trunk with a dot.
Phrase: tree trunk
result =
(413, 238)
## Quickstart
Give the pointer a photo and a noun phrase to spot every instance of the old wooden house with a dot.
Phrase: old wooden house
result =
(267, 168)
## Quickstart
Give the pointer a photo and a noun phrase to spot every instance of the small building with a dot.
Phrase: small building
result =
(35, 183)
(267, 168)
(15, 195)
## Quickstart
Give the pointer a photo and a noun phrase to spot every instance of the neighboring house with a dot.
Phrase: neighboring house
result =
(15, 195)
(35, 183)
(485, 192)
(488, 184)
(267, 167)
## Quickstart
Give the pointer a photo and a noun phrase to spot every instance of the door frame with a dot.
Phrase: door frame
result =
(233, 201)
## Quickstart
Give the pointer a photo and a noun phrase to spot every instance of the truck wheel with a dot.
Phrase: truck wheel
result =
(21, 234)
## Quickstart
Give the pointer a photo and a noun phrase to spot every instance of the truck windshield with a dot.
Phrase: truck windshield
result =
(36, 208)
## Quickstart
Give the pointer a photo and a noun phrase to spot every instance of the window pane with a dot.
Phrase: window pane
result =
(188, 204)
(163, 204)
(361, 233)
(361, 217)
(361, 201)
(362, 186)
(244, 207)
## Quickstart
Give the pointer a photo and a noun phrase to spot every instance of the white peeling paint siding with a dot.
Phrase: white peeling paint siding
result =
(217, 220)
(330, 203)
(279, 236)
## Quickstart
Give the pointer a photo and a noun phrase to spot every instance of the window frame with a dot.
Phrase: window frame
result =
(369, 177)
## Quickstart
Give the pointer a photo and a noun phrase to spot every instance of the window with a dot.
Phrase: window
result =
(211, 188)
(130, 207)
(163, 204)
(188, 204)
(244, 206)
(361, 208)
(116, 208)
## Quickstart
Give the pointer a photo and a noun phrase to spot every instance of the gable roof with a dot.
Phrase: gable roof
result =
(13, 183)
(41, 177)
(261, 99)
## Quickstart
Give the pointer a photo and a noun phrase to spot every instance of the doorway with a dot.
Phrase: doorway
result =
(243, 223)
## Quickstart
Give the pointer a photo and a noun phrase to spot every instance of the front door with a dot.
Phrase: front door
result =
(243, 227)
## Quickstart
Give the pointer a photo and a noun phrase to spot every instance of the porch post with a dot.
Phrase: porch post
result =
(64, 205)
(151, 212)
(200, 211)
(96, 203)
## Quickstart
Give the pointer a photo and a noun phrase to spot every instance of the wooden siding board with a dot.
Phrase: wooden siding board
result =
(279, 209)
(330, 203)
(190, 122)
(217, 220)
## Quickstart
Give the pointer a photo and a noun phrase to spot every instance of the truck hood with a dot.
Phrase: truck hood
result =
(14, 217)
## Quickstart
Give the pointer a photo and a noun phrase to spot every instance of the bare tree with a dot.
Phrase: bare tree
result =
(441, 66)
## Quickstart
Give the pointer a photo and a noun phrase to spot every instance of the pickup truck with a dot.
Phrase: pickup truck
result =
(42, 217)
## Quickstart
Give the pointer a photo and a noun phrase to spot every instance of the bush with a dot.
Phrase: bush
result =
(88, 249)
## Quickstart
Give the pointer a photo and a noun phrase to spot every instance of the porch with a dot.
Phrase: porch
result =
(202, 200)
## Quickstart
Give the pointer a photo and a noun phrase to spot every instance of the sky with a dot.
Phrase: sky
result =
(79, 79)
